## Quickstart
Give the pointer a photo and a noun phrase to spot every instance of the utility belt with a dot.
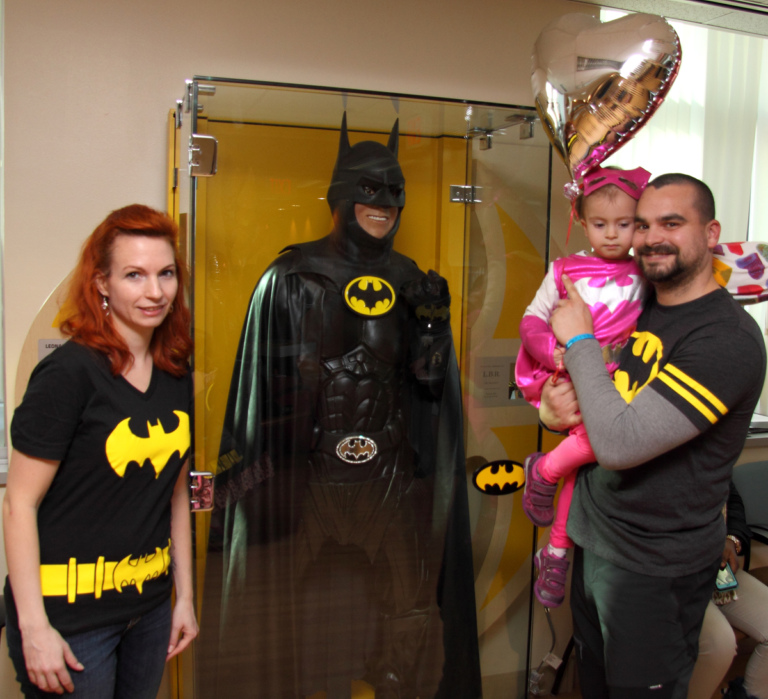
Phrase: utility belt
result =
(72, 578)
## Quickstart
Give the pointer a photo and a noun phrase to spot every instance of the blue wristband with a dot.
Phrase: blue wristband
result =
(576, 338)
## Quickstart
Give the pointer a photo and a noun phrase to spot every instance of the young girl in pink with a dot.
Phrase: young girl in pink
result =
(611, 284)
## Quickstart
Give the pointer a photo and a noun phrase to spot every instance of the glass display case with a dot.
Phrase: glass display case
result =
(477, 183)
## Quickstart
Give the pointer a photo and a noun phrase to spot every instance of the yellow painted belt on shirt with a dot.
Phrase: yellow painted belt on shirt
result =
(72, 579)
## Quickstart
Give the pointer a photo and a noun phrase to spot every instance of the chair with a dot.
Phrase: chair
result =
(752, 483)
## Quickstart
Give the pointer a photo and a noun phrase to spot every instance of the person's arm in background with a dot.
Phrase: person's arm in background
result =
(736, 524)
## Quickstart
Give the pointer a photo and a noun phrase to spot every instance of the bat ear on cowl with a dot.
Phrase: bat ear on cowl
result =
(394, 137)
(344, 146)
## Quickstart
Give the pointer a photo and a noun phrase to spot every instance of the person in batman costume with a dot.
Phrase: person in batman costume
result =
(340, 546)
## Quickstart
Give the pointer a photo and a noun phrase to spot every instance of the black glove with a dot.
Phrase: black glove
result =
(430, 302)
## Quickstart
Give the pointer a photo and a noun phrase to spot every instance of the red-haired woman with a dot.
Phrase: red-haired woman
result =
(96, 511)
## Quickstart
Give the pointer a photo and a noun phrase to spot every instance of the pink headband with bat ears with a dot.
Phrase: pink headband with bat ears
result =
(632, 182)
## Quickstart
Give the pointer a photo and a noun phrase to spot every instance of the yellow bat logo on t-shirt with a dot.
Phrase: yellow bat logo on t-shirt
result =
(650, 349)
(123, 446)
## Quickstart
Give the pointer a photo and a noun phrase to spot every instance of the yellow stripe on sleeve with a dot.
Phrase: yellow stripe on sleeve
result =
(685, 393)
(696, 386)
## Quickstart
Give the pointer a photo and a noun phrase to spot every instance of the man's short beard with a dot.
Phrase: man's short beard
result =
(672, 276)
(654, 273)
(662, 275)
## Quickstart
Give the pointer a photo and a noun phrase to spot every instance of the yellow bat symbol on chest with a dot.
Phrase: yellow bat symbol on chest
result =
(123, 446)
(370, 296)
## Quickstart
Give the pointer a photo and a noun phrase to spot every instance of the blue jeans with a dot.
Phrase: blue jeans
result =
(122, 661)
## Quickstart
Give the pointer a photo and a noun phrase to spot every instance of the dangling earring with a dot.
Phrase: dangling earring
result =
(105, 305)
(170, 310)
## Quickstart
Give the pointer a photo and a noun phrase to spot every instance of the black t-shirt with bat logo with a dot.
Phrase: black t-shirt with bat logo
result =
(104, 523)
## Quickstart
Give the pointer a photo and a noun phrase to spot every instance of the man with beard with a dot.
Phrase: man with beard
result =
(341, 519)
(666, 432)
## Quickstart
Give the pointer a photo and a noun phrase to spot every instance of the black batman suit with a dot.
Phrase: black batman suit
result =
(340, 543)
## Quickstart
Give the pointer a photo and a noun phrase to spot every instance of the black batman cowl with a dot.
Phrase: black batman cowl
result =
(366, 173)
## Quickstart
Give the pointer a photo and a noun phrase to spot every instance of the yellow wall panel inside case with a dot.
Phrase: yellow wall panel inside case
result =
(524, 274)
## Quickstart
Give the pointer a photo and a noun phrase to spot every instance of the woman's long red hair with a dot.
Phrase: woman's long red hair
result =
(88, 324)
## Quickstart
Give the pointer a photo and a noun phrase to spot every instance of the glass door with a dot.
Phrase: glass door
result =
(339, 578)
(507, 250)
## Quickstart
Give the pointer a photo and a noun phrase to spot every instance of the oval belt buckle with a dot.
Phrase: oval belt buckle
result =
(356, 449)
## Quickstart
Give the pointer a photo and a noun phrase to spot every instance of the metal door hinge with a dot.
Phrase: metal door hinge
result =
(189, 95)
(178, 118)
(466, 194)
(526, 123)
(202, 155)
(486, 137)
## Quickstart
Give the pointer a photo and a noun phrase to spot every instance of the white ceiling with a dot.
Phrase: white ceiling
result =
(750, 16)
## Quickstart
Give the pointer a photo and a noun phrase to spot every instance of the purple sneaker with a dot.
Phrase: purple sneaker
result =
(549, 587)
(538, 496)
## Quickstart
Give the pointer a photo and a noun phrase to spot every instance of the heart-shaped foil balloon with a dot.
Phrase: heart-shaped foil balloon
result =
(595, 84)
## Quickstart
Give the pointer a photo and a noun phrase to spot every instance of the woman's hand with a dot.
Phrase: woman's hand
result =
(184, 624)
(730, 556)
(572, 316)
(47, 656)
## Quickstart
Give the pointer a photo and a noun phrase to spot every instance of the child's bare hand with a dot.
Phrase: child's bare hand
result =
(558, 355)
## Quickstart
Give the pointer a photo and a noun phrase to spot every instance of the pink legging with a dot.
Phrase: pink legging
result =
(563, 462)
